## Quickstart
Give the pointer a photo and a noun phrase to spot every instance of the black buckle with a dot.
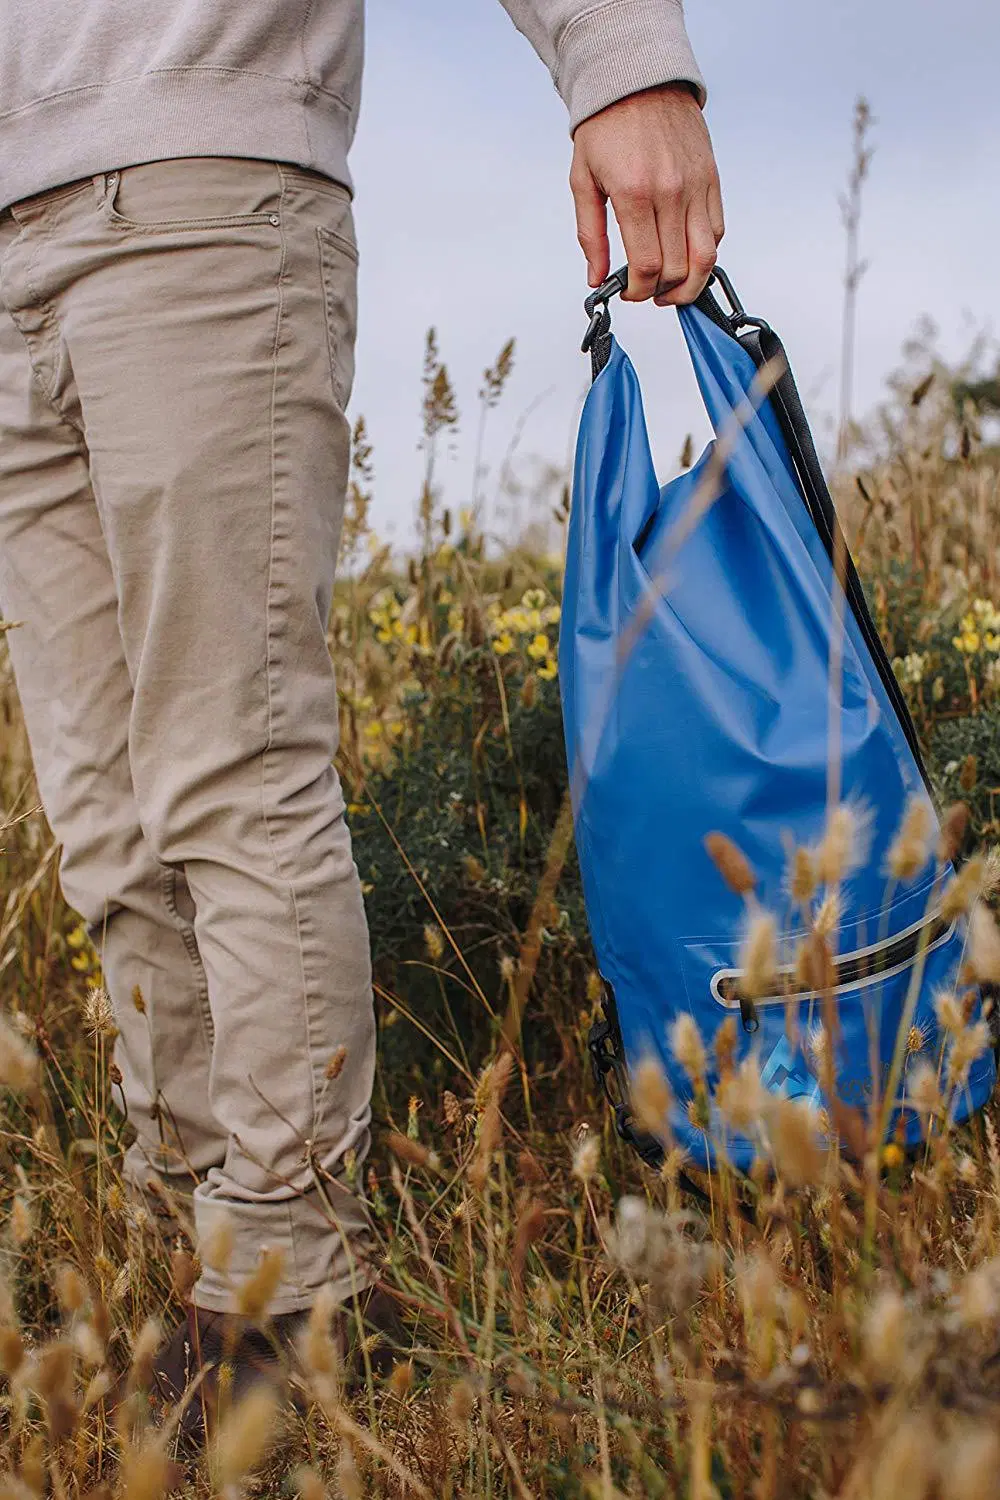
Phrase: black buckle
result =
(738, 317)
(596, 306)
(608, 1061)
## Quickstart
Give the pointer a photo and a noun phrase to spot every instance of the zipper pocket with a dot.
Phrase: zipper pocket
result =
(855, 970)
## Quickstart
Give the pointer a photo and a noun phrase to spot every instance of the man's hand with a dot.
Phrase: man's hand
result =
(651, 155)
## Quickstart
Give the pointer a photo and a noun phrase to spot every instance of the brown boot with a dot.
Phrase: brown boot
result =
(213, 1351)
(385, 1339)
(208, 1343)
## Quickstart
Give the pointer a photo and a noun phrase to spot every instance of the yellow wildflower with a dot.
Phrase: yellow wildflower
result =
(548, 669)
(503, 643)
(540, 648)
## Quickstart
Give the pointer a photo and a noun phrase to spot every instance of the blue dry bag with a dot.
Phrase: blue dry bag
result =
(694, 662)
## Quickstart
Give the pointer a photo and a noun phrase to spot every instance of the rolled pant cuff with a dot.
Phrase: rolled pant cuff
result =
(316, 1252)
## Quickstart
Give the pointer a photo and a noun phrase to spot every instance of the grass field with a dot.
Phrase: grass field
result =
(579, 1326)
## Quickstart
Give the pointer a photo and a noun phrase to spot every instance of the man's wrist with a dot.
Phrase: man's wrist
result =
(624, 47)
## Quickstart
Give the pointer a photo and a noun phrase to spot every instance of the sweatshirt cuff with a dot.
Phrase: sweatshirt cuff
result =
(622, 47)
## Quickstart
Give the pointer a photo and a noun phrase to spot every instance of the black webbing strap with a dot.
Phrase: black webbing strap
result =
(763, 344)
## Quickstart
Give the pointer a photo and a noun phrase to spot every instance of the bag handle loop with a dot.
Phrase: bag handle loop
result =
(597, 339)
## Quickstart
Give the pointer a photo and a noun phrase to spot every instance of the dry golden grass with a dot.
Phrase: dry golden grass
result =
(578, 1324)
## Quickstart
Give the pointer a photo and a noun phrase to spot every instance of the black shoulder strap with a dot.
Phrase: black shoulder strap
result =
(763, 344)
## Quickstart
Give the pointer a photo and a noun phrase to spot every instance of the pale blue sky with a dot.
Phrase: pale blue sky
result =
(465, 219)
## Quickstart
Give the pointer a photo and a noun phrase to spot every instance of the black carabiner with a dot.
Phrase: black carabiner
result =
(596, 306)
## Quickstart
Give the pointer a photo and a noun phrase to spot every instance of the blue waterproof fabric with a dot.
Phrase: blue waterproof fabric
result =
(718, 720)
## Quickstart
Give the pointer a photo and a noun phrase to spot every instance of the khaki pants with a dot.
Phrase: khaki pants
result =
(176, 349)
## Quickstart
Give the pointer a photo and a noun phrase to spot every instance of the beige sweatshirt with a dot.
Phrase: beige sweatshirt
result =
(90, 85)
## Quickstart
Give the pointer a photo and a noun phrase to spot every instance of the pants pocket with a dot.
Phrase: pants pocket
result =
(339, 268)
(193, 193)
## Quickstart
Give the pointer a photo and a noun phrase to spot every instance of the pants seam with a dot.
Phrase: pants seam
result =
(51, 322)
(269, 664)
(168, 884)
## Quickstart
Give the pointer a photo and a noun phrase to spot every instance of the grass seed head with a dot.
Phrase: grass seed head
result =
(906, 1464)
(742, 1098)
(984, 945)
(845, 844)
(979, 1296)
(308, 1485)
(803, 876)
(257, 1292)
(950, 1012)
(916, 1040)
(18, 1061)
(71, 1289)
(968, 1171)
(21, 1224)
(963, 889)
(335, 1063)
(731, 863)
(433, 942)
(586, 1157)
(967, 1046)
(922, 1092)
(530, 1228)
(991, 872)
(146, 1471)
(348, 1479)
(651, 1096)
(759, 956)
(148, 1341)
(98, 1014)
(405, 1150)
(461, 1404)
(11, 1351)
(818, 1044)
(828, 914)
(183, 1272)
(687, 1046)
(216, 1249)
(970, 1464)
(910, 850)
(319, 1350)
(793, 1132)
(814, 967)
(954, 826)
(88, 1345)
(245, 1434)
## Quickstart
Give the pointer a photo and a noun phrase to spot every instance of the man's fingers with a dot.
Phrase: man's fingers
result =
(716, 214)
(701, 258)
(591, 224)
(675, 256)
(637, 222)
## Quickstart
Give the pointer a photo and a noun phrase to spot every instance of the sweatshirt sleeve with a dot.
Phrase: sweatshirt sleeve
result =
(599, 51)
